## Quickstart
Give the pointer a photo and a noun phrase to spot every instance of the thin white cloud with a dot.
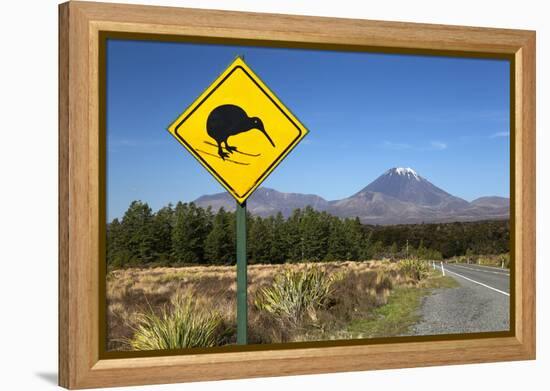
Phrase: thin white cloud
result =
(500, 134)
(438, 145)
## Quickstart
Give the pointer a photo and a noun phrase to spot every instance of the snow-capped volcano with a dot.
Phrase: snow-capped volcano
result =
(406, 185)
(408, 172)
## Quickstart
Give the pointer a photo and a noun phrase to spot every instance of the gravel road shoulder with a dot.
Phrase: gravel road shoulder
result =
(469, 308)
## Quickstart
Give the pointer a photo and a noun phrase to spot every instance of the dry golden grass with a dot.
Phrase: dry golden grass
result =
(362, 287)
(499, 260)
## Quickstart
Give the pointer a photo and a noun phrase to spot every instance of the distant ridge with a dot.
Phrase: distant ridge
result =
(398, 196)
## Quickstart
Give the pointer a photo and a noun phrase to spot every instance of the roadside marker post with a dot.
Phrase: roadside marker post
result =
(442, 269)
(239, 131)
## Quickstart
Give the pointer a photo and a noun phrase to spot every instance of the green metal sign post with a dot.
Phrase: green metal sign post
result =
(242, 306)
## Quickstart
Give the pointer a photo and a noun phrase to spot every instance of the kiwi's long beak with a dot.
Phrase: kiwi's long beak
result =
(267, 135)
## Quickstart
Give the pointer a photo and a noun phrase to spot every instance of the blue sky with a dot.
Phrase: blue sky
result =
(447, 118)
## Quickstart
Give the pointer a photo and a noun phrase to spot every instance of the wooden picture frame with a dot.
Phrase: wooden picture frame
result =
(82, 167)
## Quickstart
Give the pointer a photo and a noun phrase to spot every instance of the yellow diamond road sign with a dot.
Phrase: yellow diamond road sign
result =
(238, 130)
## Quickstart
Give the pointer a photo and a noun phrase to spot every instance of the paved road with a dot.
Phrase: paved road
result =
(480, 303)
(493, 277)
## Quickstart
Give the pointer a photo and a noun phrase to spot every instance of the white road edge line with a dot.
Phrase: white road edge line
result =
(479, 283)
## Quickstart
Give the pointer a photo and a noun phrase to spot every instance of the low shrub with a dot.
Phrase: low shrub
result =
(296, 293)
(414, 268)
(183, 324)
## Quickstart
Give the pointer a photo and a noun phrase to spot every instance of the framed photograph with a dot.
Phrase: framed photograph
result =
(247, 195)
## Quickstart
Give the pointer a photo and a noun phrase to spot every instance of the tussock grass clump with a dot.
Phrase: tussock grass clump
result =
(184, 325)
(415, 268)
(296, 293)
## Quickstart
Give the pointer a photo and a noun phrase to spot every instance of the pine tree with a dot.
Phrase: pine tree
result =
(279, 251)
(337, 241)
(191, 227)
(293, 238)
(259, 241)
(355, 239)
(315, 228)
(138, 235)
(377, 250)
(220, 242)
(162, 229)
(115, 244)
(365, 252)
(181, 233)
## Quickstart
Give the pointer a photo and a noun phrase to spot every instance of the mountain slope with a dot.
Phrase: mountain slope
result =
(492, 202)
(398, 196)
(265, 202)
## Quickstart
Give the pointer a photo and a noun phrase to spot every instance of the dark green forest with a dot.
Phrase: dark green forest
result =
(185, 234)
